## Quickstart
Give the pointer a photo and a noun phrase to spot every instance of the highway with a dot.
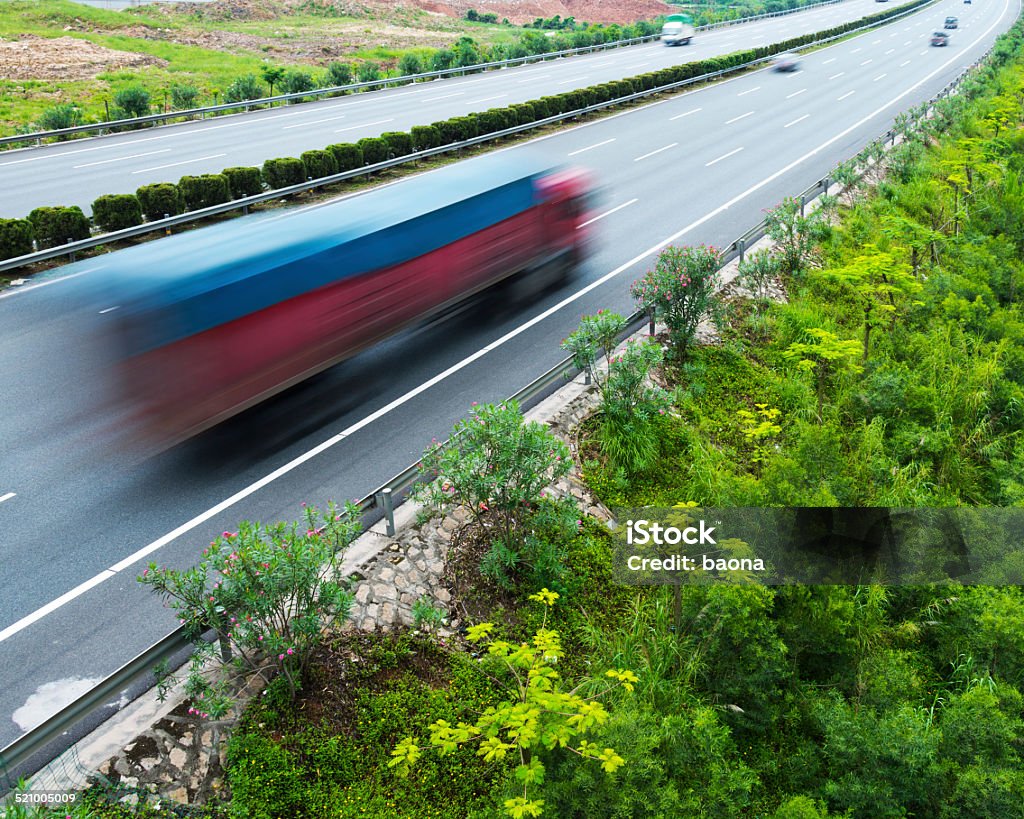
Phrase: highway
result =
(120, 163)
(79, 519)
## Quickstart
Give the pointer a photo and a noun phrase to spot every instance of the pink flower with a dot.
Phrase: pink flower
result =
(145, 572)
(260, 638)
(291, 651)
(228, 534)
(280, 656)
(475, 404)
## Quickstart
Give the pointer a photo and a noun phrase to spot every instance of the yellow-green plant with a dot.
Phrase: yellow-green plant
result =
(757, 427)
(823, 355)
(538, 714)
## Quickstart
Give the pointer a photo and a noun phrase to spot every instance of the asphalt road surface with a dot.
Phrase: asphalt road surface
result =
(79, 519)
(120, 163)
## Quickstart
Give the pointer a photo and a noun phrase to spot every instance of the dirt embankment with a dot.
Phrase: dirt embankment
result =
(64, 58)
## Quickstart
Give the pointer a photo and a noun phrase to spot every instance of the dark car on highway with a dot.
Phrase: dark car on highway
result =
(951, 22)
(940, 38)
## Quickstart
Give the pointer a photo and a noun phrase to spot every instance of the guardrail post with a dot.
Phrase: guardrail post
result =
(389, 510)
(741, 246)
(225, 645)
(651, 322)
(824, 184)
(803, 201)
(71, 255)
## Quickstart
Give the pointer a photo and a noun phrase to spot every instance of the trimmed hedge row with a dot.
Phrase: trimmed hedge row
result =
(52, 226)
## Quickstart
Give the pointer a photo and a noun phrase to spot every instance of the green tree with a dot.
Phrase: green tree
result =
(272, 75)
(797, 236)
(133, 101)
(881, 286)
(824, 355)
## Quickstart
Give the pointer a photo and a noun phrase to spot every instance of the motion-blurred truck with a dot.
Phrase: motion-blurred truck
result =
(678, 30)
(213, 321)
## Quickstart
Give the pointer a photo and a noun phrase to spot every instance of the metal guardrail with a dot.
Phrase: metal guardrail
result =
(70, 249)
(378, 504)
(383, 82)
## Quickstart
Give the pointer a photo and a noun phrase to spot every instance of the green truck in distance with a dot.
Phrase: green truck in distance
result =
(678, 30)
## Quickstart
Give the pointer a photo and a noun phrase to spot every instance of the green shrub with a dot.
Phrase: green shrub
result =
(205, 190)
(448, 131)
(399, 143)
(116, 211)
(62, 115)
(409, 64)
(56, 225)
(374, 150)
(159, 200)
(468, 126)
(347, 156)
(15, 237)
(525, 113)
(184, 97)
(319, 164)
(134, 101)
(338, 74)
(425, 137)
(297, 81)
(490, 121)
(246, 87)
(244, 181)
(283, 172)
(368, 71)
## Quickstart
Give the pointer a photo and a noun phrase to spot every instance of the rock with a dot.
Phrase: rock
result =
(178, 794)
(449, 525)
(372, 611)
(387, 614)
(363, 594)
(443, 595)
(386, 575)
(121, 766)
(178, 758)
(401, 582)
(130, 782)
(148, 763)
(382, 591)
(406, 599)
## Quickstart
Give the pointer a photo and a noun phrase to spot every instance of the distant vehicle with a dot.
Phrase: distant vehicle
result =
(940, 38)
(951, 22)
(678, 30)
(215, 320)
(787, 62)
(967, 2)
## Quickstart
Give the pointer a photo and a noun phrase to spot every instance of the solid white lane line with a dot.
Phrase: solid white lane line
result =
(590, 147)
(652, 153)
(748, 91)
(724, 156)
(686, 114)
(364, 125)
(847, 94)
(795, 93)
(121, 158)
(608, 213)
(486, 99)
(442, 376)
(31, 287)
(737, 119)
(10, 495)
(794, 122)
(313, 122)
(448, 96)
(183, 162)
